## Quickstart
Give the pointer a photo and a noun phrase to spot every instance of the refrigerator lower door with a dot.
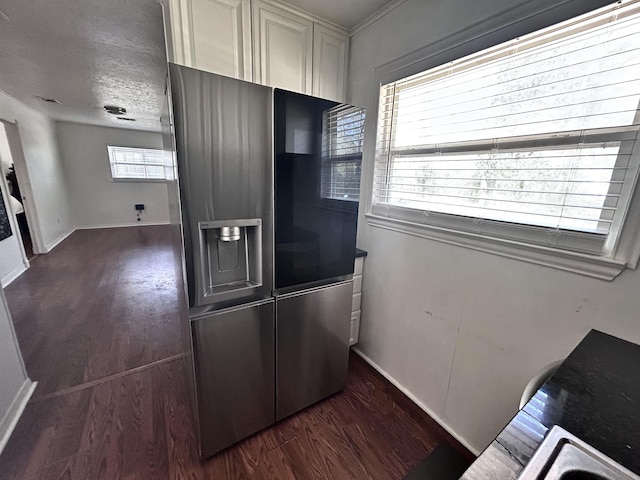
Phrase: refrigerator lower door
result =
(312, 345)
(235, 374)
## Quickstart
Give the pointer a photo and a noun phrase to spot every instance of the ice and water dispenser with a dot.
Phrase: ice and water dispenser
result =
(231, 256)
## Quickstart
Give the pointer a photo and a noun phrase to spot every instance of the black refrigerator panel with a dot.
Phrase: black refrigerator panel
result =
(318, 151)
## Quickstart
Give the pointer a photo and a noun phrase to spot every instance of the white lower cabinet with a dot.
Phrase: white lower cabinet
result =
(355, 328)
(356, 301)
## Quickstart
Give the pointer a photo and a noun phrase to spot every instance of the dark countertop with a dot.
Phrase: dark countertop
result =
(360, 253)
(595, 394)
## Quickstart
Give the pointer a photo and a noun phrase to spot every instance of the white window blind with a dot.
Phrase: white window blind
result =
(137, 163)
(342, 141)
(533, 140)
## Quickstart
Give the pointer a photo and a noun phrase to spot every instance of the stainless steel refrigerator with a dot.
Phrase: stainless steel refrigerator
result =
(264, 207)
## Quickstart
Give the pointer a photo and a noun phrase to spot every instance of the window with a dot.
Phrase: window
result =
(531, 141)
(136, 163)
(342, 139)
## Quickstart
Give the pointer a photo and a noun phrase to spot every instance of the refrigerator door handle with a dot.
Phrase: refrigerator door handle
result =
(208, 312)
(282, 296)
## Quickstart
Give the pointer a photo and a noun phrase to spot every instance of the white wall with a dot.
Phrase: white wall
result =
(43, 172)
(96, 200)
(12, 261)
(462, 331)
(15, 386)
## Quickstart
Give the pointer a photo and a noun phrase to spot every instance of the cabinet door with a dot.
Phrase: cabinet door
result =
(312, 346)
(330, 50)
(282, 47)
(233, 352)
(213, 35)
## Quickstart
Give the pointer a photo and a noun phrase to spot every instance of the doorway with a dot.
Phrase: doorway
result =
(9, 154)
(15, 201)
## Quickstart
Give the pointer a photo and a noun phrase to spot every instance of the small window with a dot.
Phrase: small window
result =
(342, 140)
(534, 140)
(129, 163)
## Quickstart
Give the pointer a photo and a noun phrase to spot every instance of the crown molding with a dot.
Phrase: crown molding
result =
(375, 16)
(309, 16)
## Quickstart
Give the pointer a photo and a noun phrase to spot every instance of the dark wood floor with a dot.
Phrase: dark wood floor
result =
(97, 323)
(102, 302)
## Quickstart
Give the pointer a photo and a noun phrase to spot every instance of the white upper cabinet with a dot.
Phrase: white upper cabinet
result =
(283, 48)
(259, 41)
(212, 35)
(330, 50)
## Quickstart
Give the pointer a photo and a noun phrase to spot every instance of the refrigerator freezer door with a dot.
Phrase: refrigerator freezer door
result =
(312, 346)
(234, 363)
(224, 149)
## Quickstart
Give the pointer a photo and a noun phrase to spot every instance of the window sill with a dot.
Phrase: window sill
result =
(138, 180)
(584, 264)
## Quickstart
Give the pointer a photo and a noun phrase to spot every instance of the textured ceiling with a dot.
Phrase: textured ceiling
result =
(90, 53)
(347, 13)
(85, 53)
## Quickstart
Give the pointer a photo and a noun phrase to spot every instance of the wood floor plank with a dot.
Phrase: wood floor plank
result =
(98, 320)
(102, 302)
(104, 379)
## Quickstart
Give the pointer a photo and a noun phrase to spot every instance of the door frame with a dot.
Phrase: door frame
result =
(12, 132)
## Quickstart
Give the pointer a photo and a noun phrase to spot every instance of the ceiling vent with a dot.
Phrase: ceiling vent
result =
(48, 100)
(127, 119)
(115, 110)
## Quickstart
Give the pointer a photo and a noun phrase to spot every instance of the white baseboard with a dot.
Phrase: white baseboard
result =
(10, 420)
(415, 400)
(119, 225)
(51, 245)
(10, 277)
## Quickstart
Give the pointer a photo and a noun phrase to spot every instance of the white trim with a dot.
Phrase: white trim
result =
(168, 30)
(121, 225)
(518, 20)
(12, 215)
(139, 180)
(375, 16)
(589, 265)
(177, 52)
(51, 245)
(10, 277)
(247, 42)
(521, 19)
(308, 16)
(24, 177)
(10, 419)
(415, 400)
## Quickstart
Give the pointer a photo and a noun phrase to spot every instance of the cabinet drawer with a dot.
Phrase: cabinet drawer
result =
(357, 283)
(355, 328)
(355, 303)
(357, 266)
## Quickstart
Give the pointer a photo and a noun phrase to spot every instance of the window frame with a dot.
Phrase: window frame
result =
(132, 179)
(521, 20)
(330, 160)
